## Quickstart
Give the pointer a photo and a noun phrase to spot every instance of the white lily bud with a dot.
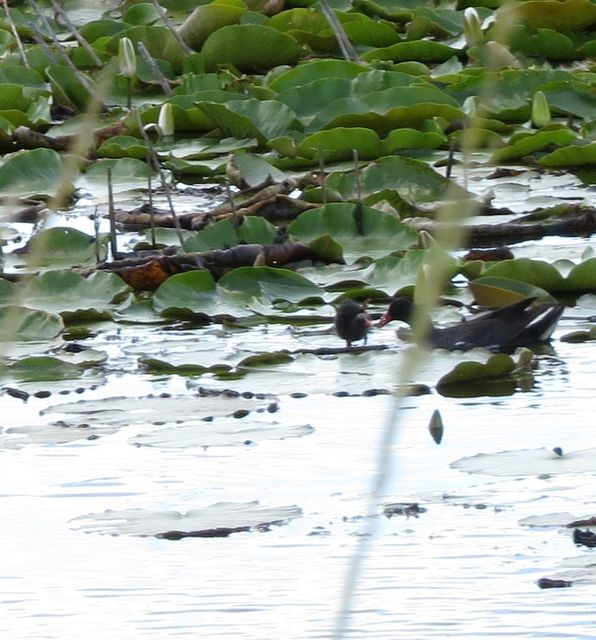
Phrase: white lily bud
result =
(472, 28)
(127, 58)
(165, 121)
(540, 110)
(470, 106)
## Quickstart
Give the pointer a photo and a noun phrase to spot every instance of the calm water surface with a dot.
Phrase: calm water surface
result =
(465, 568)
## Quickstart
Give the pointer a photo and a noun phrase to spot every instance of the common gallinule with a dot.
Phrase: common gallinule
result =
(517, 325)
(352, 322)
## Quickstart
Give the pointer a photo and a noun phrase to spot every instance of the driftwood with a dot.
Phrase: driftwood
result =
(575, 220)
(146, 270)
(272, 203)
(26, 138)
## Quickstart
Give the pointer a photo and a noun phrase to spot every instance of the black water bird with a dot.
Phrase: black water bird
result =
(520, 324)
(352, 322)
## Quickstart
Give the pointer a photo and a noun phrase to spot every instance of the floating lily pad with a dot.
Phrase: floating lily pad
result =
(499, 292)
(47, 435)
(127, 174)
(217, 520)
(123, 411)
(474, 378)
(535, 272)
(220, 434)
(250, 118)
(359, 230)
(249, 47)
(528, 462)
(39, 369)
(73, 296)
(571, 156)
(28, 325)
(194, 293)
(414, 181)
(34, 172)
(223, 234)
(60, 246)
(269, 284)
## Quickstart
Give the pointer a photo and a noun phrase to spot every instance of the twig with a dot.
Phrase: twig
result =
(150, 193)
(42, 43)
(347, 48)
(162, 177)
(77, 34)
(96, 222)
(170, 26)
(63, 55)
(165, 85)
(15, 33)
(112, 216)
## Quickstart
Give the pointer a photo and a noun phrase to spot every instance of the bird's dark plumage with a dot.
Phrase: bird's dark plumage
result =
(517, 325)
(351, 322)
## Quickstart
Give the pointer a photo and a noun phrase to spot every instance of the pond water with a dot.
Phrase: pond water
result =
(464, 567)
(467, 565)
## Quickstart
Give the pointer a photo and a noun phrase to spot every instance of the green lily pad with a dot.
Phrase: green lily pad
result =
(206, 19)
(536, 272)
(250, 118)
(127, 174)
(497, 366)
(394, 275)
(269, 284)
(61, 246)
(314, 70)
(384, 111)
(73, 296)
(28, 173)
(499, 292)
(223, 234)
(256, 171)
(420, 50)
(191, 293)
(582, 277)
(40, 369)
(376, 234)
(28, 325)
(123, 147)
(565, 15)
(571, 156)
(528, 144)
(121, 411)
(249, 47)
(67, 88)
(413, 180)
